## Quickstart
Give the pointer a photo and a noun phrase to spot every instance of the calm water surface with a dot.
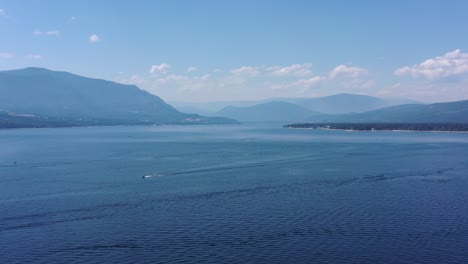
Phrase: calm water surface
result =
(232, 194)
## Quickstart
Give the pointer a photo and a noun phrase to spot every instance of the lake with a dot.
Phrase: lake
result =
(232, 194)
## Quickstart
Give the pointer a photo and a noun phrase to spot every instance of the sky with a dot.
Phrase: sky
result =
(197, 51)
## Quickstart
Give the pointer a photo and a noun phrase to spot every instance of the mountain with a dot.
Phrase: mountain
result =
(193, 110)
(450, 112)
(267, 112)
(334, 104)
(329, 108)
(79, 100)
(344, 103)
(210, 108)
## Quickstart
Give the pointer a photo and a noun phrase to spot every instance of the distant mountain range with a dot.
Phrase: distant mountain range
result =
(452, 112)
(305, 109)
(211, 108)
(334, 104)
(268, 112)
(345, 103)
(349, 108)
(36, 97)
(42, 97)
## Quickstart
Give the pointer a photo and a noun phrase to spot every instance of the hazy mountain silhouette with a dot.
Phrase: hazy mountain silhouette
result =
(345, 103)
(455, 112)
(267, 112)
(334, 104)
(66, 96)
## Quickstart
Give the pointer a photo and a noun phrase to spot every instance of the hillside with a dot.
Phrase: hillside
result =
(76, 99)
(334, 104)
(439, 112)
(267, 112)
(451, 112)
(344, 103)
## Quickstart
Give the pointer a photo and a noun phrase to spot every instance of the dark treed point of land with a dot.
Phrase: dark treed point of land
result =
(384, 126)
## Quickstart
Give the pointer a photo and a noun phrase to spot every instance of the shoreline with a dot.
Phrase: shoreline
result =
(380, 130)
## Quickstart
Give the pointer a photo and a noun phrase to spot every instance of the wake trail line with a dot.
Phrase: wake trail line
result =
(233, 167)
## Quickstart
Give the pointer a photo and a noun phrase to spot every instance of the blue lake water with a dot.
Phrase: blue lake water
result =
(232, 194)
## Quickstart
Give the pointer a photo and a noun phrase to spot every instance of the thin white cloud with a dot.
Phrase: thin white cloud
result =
(347, 71)
(46, 33)
(292, 70)
(253, 81)
(357, 84)
(6, 55)
(172, 77)
(52, 33)
(94, 38)
(301, 83)
(159, 68)
(247, 71)
(187, 84)
(389, 90)
(192, 69)
(452, 63)
(72, 18)
(310, 81)
(34, 57)
(137, 79)
(134, 79)
(205, 77)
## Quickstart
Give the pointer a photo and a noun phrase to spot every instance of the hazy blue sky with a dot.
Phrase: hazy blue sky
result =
(233, 50)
